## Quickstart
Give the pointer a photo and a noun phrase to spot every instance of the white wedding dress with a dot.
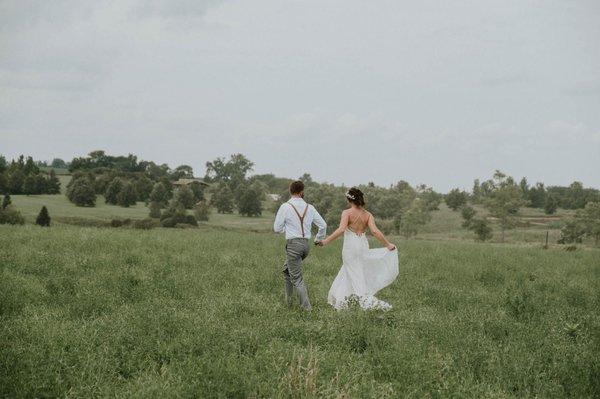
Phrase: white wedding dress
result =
(364, 272)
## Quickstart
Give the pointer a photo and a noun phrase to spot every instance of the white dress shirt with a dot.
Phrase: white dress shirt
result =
(288, 222)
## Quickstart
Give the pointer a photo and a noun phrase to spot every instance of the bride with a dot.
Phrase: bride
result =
(364, 271)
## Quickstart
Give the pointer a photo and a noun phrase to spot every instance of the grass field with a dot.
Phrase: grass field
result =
(179, 313)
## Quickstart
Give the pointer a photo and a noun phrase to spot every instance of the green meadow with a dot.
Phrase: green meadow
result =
(115, 312)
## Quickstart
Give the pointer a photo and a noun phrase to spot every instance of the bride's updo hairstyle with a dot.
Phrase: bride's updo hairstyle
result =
(355, 196)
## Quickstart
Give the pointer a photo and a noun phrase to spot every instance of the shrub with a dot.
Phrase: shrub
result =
(185, 197)
(175, 214)
(43, 218)
(481, 228)
(551, 204)
(143, 188)
(572, 232)
(6, 201)
(467, 213)
(160, 194)
(10, 215)
(120, 222)
(198, 191)
(145, 224)
(154, 210)
(202, 211)
(127, 196)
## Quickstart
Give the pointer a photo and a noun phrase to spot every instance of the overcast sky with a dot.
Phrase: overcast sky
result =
(435, 92)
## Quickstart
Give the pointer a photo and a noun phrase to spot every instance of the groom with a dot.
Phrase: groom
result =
(295, 218)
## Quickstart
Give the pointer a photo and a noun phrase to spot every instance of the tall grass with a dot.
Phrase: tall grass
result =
(177, 313)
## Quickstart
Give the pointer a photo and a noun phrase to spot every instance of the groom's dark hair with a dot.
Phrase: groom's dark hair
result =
(296, 187)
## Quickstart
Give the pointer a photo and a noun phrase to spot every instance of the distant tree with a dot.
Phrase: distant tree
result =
(58, 163)
(524, 186)
(143, 188)
(127, 195)
(430, 199)
(198, 191)
(250, 201)
(232, 172)
(504, 201)
(536, 195)
(550, 204)
(590, 219)
(455, 199)
(81, 193)
(43, 218)
(3, 164)
(185, 197)
(30, 167)
(202, 211)
(468, 213)
(481, 228)
(112, 191)
(476, 194)
(29, 186)
(52, 184)
(16, 178)
(411, 221)
(3, 183)
(160, 194)
(154, 209)
(6, 201)
(182, 172)
(222, 198)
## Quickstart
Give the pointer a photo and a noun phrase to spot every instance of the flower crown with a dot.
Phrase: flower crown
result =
(350, 196)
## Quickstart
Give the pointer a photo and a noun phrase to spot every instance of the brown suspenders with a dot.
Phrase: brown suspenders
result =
(300, 217)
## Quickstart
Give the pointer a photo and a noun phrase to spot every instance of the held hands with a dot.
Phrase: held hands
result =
(391, 247)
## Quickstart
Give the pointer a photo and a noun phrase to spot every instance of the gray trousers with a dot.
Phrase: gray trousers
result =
(296, 250)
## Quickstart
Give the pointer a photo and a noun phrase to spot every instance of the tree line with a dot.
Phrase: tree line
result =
(23, 176)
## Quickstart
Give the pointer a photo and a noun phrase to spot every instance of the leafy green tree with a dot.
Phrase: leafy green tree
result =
(232, 172)
(6, 201)
(43, 218)
(590, 218)
(250, 201)
(30, 167)
(455, 199)
(524, 186)
(182, 172)
(81, 193)
(477, 192)
(481, 228)
(551, 204)
(154, 210)
(222, 198)
(504, 201)
(3, 164)
(467, 213)
(160, 194)
(143, 188)
(112, 191)
(127, 195)
(3, 183)
(202, 211)
(185, 197)
(58, 163)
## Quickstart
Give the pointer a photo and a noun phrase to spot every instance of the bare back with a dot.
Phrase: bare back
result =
(358, 220)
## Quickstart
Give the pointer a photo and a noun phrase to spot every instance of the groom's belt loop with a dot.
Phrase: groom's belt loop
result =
(301, 217)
